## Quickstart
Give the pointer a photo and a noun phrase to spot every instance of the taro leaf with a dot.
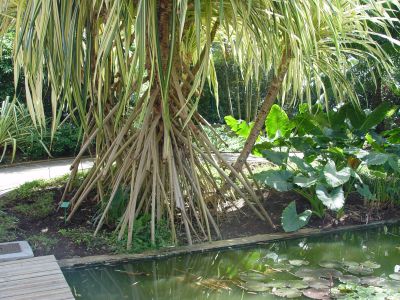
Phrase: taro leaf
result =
(276, 120)
(301, 164)
(378, 115)
(376, 159)
(287, 293)
(280, 180)
(320, 294)
(394, 163)
(304, 182)
(291, 221)
(240, 127)
(336, 178)
(232, 122)
(333, 200)
(275, 157)
(364, 191)
(355, 115)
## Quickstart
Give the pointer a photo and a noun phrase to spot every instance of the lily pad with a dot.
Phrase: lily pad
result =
(349, 279)
(287, 293)
(360, 270)
(297, 284)
(306, 273)
(277, 284)
(328, 273)
(252, 276)
(320, 294)
(395, 276)
(256, 286)
(371, 264)
(350, 264)
(330, 264)
(298, 262)
(373, 281)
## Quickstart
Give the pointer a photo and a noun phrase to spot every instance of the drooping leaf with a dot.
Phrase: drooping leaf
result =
(291, 221)
(336, 178)
(364, 191)
(280, 180)
(301, 164)
(333, 200)
(277, 120)
(383, 111)
(304, 182)
(275, 157)
(376, 159)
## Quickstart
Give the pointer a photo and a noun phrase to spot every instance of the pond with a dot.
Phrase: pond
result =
(362, 264)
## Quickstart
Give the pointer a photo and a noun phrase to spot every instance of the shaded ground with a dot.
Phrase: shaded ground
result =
(36, 219)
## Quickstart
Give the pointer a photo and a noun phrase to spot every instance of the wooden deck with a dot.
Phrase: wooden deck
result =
(33, 278)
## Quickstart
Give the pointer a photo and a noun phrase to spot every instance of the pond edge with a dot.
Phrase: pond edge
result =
(212, 246)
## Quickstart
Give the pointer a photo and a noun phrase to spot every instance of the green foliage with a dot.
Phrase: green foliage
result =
(323, 155)
(8, 227)
(224, 139)
(38, 207)
(106, 240)
(42, 241)
(31, 189)
(291, 220)
(15, 127)
(66, 142)
(277, 121)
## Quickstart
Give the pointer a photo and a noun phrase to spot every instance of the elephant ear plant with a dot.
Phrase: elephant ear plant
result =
(322, 156)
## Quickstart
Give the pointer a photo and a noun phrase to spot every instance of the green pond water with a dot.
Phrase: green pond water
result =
(360, 264)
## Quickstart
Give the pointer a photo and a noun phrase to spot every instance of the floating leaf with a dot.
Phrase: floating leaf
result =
(349, 279)
(360, 270)
(320, 294)
(330, 264)
(280, 180)
(298, 262)
(336, 178)
(370, 264)
(350, 264)
(373, 281)
(291, 221)
(256, 286)
(395, 276)
(277, 284)
(333, 200)
(252, 276)
(319, 283)
(287, 293)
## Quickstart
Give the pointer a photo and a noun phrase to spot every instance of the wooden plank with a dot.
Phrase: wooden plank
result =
(36, 260)
(35, 278)
(31, 275)
(24, 290)
(64, 293)
(28, 269)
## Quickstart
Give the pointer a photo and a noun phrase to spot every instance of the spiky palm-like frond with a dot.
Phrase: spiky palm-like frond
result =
(131, 73)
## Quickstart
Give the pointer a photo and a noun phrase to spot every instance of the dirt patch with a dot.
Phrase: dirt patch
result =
(50, 235)
(243, 222)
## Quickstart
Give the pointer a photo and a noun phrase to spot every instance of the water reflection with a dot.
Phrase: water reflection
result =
(226, 274)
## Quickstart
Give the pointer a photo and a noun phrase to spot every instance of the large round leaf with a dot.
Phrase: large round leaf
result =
(333, 200)
(336, 178)
(280, 180)
(291, 221)
(277, 120)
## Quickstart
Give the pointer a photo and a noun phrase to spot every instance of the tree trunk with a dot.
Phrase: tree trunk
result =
(273, 91)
